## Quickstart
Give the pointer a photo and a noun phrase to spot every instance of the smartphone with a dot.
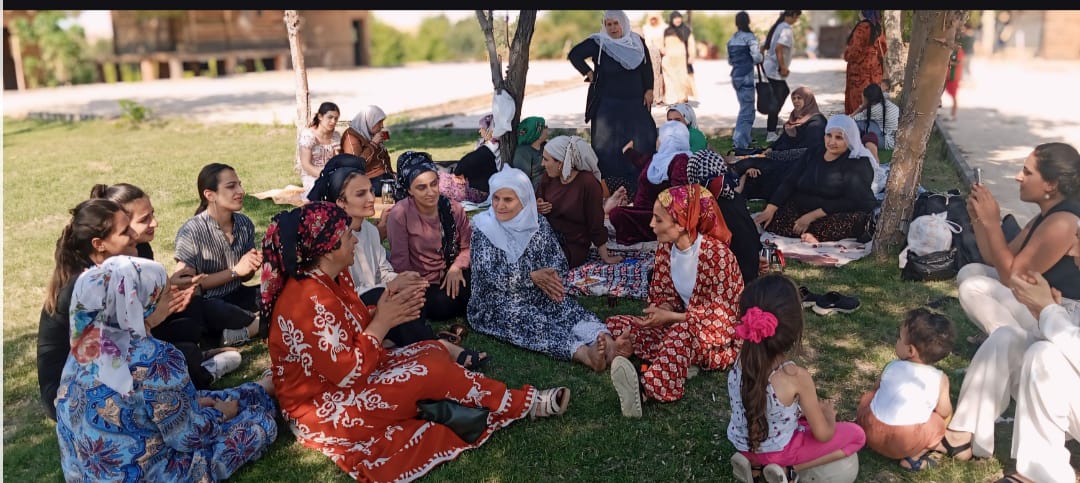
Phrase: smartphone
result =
(978, 176)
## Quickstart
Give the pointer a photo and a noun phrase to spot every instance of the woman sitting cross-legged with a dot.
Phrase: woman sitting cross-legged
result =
(343, 181)
(693, 302)
(126, 408)
(517, 280)
(826, 196)
(340, 391)
(659, 171)
(430, 235)
(571, 197)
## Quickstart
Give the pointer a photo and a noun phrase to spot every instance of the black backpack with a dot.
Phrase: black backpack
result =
(955, 206)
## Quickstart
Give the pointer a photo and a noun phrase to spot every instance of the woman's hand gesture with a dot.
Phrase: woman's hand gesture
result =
(764, 217)
(549, 282)
(981, 205)
(1034, 292)
(453, 281)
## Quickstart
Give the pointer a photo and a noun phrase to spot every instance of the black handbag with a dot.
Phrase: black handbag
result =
(592, 99)
(932, 266)
(766, 101)
(467, 422)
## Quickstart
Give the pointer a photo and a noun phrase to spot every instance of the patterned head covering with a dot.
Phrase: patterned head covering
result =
(707, 164)
(366, 119)
(627, 50)
(511, 236)
(575, 153)
(109, 306)
(693, 207)
(687, 113)
(294, 241)
(331, 179)
(410, 165)
(674, 140)
(530, 129)
(799, 117)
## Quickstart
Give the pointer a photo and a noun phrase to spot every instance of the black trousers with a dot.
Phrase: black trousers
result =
(185, 331)
(780, 92)
(404, 334)
(235, 310)
(745, 239)
(440, 306)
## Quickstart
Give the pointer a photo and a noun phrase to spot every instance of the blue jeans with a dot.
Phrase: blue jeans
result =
(744, 91)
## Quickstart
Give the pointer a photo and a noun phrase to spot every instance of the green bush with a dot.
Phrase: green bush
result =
(387, 45)
(132, 112)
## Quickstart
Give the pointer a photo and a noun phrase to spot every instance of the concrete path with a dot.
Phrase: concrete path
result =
(1006, 109)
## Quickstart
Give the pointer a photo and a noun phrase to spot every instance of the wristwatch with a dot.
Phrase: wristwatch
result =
(232, 274)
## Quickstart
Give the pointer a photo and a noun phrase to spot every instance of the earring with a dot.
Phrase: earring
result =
(1046, 196)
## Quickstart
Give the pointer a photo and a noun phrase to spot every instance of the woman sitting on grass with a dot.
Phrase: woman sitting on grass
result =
(685, 114)
(690, 319)
(571, 198)
(532, 134)
(517, 279)
(127, 409)
(365, 138)
(340, 391)
(318, 142)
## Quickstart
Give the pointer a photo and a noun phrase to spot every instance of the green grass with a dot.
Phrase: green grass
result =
(680, 441)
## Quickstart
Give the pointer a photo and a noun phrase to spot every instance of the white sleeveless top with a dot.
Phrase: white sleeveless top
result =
(783, 420)
(908, 394)
(684, 269)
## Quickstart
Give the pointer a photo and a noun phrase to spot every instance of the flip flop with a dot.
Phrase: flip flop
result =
(918, 464)
(476, 363)
(454, 335)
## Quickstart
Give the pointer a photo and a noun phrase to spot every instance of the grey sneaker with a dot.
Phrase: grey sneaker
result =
(625, 379)
(222, 363)
(234, 336)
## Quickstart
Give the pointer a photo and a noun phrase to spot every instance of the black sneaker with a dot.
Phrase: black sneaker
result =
(835, 302)
(809, 299)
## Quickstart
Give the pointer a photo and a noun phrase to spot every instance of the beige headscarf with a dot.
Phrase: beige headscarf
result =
(366, 119)
(575, 153)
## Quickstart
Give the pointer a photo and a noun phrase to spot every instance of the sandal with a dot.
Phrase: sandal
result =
(454, 335)
(548, 403)
(951, 451)
(918, 464)
(1009, 478)
(471, 359)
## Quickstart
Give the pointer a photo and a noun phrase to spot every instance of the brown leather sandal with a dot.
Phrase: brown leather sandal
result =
(454, 335)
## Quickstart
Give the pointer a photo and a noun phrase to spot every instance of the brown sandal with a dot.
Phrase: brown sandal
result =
(454, 335)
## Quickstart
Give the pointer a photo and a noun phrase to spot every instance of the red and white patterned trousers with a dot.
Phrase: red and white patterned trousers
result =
(668, 350)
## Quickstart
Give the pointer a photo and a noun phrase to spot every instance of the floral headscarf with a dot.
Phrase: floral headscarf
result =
(707, 164)
(693, 207)
(331, 180)
(294, 240)
(574, 152)
(410, 165)
(530, 129)
(109, 306)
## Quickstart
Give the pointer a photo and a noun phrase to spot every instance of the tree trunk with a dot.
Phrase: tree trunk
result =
(296, 47)
(516, 72)
(896, 56)
(920, 23)
(930, 64)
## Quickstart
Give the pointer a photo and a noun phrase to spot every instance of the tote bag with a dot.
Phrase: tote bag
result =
(766, 102)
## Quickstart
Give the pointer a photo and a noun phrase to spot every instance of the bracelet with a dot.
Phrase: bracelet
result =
(232, 274)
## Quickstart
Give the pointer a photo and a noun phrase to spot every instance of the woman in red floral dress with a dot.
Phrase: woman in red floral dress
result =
(693, 302)
(340, 391)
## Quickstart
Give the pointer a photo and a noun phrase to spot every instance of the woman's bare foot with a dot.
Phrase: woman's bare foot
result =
(808, 237)
(623, 346)
(605, 343)
(592, 355)
(267, 382)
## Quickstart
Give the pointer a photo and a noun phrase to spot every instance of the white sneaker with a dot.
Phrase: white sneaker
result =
(740, 467)
(222, 363)
(775, 473)
(772, 136)
(625, 379)
(232, 337)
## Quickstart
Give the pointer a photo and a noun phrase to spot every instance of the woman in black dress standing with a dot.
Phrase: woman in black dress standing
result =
(619, 101)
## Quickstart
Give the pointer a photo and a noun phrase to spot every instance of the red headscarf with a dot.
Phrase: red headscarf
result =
(693, 207)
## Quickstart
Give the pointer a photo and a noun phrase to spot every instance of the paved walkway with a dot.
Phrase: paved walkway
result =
(1010, 107)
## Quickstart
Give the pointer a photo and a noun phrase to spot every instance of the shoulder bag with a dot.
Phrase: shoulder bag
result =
(766, 102)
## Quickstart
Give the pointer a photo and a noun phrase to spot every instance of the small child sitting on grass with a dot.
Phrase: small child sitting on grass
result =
(905, 415)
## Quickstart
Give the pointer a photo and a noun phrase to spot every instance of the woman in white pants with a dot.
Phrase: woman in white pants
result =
(1040, 369)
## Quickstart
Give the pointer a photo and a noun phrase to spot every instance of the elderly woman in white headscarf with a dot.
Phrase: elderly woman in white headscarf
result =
(620, 95)
(126, 405)
(517, 281)
(663, 170)
(364, 138)
(571, 197)
(827, 195)
(684, 113)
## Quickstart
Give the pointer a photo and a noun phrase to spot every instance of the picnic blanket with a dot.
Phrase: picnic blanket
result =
(627, 279)
(824, 254)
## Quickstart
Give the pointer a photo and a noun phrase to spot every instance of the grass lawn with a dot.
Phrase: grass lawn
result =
(50, 167)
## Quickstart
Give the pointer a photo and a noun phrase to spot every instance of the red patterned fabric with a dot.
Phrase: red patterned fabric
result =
(705, 339)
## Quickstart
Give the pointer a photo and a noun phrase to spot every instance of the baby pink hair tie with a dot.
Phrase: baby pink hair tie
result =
(756, 325)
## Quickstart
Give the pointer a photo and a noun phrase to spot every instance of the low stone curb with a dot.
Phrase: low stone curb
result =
(955, 154)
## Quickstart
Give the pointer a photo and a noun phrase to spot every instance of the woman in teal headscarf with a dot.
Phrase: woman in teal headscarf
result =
(532, 133)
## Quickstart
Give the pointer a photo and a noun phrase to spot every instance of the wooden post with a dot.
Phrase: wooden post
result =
(148, 67)
(296, 46)
(176, 68)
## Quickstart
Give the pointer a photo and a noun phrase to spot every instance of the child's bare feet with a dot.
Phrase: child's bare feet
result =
(623, 346)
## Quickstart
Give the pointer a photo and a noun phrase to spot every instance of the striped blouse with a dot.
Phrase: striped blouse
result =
(202, 245)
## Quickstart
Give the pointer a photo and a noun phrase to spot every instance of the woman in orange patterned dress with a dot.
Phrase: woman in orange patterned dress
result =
(864, 54)
(340, 391)
(693, 302)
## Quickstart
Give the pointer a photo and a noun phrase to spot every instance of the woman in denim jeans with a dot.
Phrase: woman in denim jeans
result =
(743, 54)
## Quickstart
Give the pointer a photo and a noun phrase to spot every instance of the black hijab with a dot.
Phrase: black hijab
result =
(682, 31)
(477, 167)
(331, 180)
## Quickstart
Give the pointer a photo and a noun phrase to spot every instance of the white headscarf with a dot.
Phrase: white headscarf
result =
(687, 113)
(674, 140)
(108, 310)
(846, 124)
(626, 50)
(366, 119)
(510, 236)
(575, 153)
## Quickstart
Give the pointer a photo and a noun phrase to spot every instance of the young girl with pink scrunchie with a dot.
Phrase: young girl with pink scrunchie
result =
(777, 424)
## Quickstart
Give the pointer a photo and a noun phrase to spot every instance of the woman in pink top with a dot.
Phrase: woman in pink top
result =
(430, 234)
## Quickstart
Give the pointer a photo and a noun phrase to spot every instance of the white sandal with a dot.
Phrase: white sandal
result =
(625, 379)
(547, 403)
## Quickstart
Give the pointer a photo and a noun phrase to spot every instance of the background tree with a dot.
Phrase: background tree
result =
(514, 82)
(296, 47)
(55, 51)
(896, 55)
(927, 66)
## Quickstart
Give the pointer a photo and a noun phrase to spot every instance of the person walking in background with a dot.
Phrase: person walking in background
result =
(952, 79)
(811, 43)
(743, 54)
(779, 43)
(864, 54)
(677, 60)
(967, 44)
(653, 33)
